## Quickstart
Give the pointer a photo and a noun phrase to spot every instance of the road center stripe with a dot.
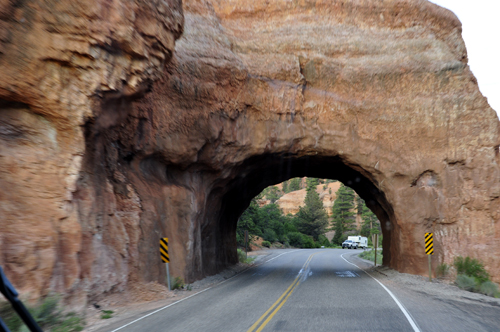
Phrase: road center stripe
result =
(281, 300)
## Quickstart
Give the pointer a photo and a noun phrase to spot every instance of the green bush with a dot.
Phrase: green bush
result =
(466, 282)
(471, 267)
(266, 243)
(370, 255)
(10, 317)
(47, 314)
(270, 235)
(296, 239)
(489, 288)
(308, 242)
(442, 270)
(242, 257)
(178, 283)
(323, 241)
(106, 314)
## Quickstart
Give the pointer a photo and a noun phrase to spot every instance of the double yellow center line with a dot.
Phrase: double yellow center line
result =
(280, 302)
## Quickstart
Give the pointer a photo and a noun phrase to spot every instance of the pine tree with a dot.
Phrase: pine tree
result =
(312, 183)
(284, 186)
(370, 225)
(294, 184)
(312, 218)
(343, 217)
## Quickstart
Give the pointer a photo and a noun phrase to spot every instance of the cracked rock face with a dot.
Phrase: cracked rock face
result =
(61, 63)
(375, 94)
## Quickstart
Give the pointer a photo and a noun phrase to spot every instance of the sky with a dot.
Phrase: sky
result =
(481, 33)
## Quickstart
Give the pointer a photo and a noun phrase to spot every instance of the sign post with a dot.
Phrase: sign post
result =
(376, 245)
(164, 256)
(429, 250)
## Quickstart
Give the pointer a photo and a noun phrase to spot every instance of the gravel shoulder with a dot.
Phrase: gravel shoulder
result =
(142, 299)
(437, 305)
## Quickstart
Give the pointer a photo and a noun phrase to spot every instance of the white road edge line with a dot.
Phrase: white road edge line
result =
(400, 305)
(171, 304)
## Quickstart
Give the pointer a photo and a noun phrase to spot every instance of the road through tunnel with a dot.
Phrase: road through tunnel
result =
(260, 172)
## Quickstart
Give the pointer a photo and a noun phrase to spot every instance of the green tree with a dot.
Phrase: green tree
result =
(312, 183)
(370, 224)
(359, 204)
(312, 218)
(343, 217)
(248, 221)
(284, 186)
(294, 184)
(272, 193)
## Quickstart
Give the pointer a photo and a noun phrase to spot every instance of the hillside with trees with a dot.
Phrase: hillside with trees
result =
(306, 228)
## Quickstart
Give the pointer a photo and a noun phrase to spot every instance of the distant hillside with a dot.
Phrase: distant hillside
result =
(290, 203)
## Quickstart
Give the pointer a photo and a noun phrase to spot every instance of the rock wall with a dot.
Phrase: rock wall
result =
(110, 140)
(65, 66)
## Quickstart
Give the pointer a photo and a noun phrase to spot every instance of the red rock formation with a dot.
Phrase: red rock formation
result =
(63, 65)
(375, 94)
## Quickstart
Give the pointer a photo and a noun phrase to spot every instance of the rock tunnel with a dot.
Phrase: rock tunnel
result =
(168, 122)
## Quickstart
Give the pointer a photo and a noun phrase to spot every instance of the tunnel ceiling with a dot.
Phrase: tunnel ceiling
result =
(131, 140)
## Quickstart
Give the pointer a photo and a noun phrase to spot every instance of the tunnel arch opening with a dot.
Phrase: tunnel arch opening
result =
(259, 172)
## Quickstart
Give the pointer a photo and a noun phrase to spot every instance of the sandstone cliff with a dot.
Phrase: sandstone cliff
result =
(292, 201)
(111, 140)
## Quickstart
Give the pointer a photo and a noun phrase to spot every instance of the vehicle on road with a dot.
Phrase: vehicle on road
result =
(361, 241)
(349, 244)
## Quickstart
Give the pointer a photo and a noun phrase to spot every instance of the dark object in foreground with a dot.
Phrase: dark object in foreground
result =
(11, 295)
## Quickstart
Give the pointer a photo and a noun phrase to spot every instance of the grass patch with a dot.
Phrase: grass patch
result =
(442, 270)
(489, 288)
(370, 255)
(242, 257)
(178, 283)
(466, 282)
(473, 277)
(106, 314)
(471, 267)
(47, 314)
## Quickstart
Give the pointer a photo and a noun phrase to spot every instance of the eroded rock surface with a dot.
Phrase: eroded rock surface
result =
(65, 67)
(375, 94)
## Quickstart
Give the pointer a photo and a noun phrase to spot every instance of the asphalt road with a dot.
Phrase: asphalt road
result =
(298, 290)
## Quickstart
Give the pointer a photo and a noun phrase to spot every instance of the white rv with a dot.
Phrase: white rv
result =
(360, 240)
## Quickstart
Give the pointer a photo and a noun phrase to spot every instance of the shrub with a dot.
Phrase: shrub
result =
(308, 242)
(471, 267)
(10, 317)
(296, 239)
(466, 282)
(242, 257)
(266, 243)
(442, 270)
(323, 241)
(106, 314)
(489, 288)
(47, 314)
(370, 255)
(285, 240)
(270, 235)
(178, 283)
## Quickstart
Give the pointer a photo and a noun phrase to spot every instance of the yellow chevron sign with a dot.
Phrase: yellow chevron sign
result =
(429, 245)
(164, 250)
